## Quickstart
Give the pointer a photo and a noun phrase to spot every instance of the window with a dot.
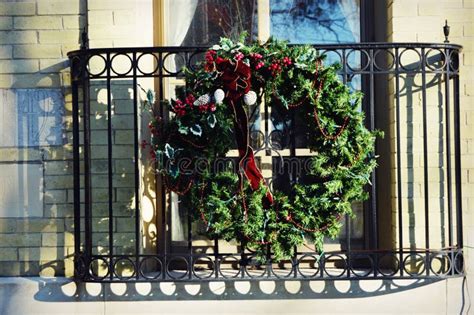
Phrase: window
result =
(316, 22)
(203, 22)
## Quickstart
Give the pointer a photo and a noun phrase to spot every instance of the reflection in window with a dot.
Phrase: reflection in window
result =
(203, 22)
(316, 21)
(319, 22)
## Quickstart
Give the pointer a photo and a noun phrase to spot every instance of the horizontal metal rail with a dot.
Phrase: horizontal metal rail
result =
(389, 74)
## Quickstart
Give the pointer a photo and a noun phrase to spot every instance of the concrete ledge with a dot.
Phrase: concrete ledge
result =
(36, 295)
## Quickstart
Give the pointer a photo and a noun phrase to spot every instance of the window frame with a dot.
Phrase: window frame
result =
(264, 31)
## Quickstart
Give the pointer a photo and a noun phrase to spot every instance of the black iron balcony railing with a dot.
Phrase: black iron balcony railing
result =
(128, 228)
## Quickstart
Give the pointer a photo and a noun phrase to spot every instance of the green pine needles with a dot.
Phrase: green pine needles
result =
(207, 120)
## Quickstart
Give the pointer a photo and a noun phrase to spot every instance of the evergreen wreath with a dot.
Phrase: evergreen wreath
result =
(209, 118)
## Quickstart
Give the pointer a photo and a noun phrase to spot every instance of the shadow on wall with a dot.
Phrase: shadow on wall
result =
(40, 172)
(64, 290)
(120, 232)
(34, 130)
(413, 156)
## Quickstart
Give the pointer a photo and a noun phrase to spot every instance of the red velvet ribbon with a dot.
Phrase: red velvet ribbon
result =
(236, 80)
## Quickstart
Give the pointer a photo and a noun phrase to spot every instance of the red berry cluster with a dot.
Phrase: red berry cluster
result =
(257, 60)
(277, 65)
(256, 56)
(180, 109)
(239, 56)
(286, 61)
(210, 56)
(259, 65)
(205, 107)
(180, 106)
(153, 125)
(274, 68)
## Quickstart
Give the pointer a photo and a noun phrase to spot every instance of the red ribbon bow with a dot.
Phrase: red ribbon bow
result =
(236, 80)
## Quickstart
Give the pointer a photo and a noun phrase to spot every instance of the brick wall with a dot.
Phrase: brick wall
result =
(422, 21)
(35, 37)
(120, 23)
(116, 24)
(36, 235)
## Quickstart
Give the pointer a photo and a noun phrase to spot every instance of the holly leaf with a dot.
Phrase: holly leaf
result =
(284, 102)
(300, 65)
(182, 129)
(211, 120)
(174, 170)
(226, 44)
(196, 130)
(169, 151)
(150, 96)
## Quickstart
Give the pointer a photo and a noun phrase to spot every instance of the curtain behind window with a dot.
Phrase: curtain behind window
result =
(179, 18)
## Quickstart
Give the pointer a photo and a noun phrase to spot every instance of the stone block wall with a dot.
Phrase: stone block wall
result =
(36, 183)
(422, 21)
(35, 153)
(117, 24)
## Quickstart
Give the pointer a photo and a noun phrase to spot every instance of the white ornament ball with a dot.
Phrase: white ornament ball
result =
(250, 98)
(202, 100)
(219, 96)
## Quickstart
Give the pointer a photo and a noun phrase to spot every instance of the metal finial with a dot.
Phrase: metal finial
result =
(446, 32)
(84, 39)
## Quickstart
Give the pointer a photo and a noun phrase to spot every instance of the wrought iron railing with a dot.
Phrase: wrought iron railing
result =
(411, 92)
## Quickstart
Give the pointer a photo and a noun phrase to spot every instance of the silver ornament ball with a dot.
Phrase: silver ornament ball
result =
(250, 98)
(219, 96)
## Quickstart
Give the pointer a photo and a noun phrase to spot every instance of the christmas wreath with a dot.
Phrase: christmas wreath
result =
(210, 117)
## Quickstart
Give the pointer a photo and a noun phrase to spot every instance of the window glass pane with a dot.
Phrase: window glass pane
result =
(315, 21)
(319, 22)
(203, 22)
